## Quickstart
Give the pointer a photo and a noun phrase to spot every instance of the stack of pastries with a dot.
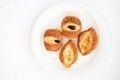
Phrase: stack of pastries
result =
(71, 28)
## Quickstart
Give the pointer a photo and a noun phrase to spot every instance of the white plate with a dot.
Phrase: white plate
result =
(49, 61)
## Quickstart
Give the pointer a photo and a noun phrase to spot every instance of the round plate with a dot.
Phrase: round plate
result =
(52, 18)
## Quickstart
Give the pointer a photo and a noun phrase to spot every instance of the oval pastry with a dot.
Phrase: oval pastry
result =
(68, 54)
(71, 26)
(87, 41)
(52, 39)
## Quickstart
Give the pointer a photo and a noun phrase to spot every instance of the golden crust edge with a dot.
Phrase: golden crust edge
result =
(52, 47)
(72, 19)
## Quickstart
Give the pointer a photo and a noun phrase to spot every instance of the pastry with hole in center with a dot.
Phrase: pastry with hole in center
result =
(68, 54)
(52, 39)
(71, 26)
(87, 41)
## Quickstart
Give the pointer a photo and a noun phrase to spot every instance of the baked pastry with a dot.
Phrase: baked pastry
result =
(87, 41)
(52, 39)
(68, 54)
(71, 26)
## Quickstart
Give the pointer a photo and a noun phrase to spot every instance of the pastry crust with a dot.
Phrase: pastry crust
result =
(87, 41)
(52, 39)
(68, 54)
(71, 21)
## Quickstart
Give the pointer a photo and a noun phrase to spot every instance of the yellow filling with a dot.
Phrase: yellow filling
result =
(68, 56)
(50, 40)
(86, 43)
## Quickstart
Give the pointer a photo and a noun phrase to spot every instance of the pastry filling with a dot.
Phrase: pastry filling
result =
(68, 56)
(71, 27)
(51, 40)
(57, 41)
(86, 42)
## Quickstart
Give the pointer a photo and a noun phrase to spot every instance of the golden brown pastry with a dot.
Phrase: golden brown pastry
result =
(68, 54)
(87, 41)
(52, 39)
(71, 26)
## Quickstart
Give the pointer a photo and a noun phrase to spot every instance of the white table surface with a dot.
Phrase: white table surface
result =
(17, 18)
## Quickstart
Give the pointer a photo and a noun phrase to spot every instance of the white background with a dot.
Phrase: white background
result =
(17, 18)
